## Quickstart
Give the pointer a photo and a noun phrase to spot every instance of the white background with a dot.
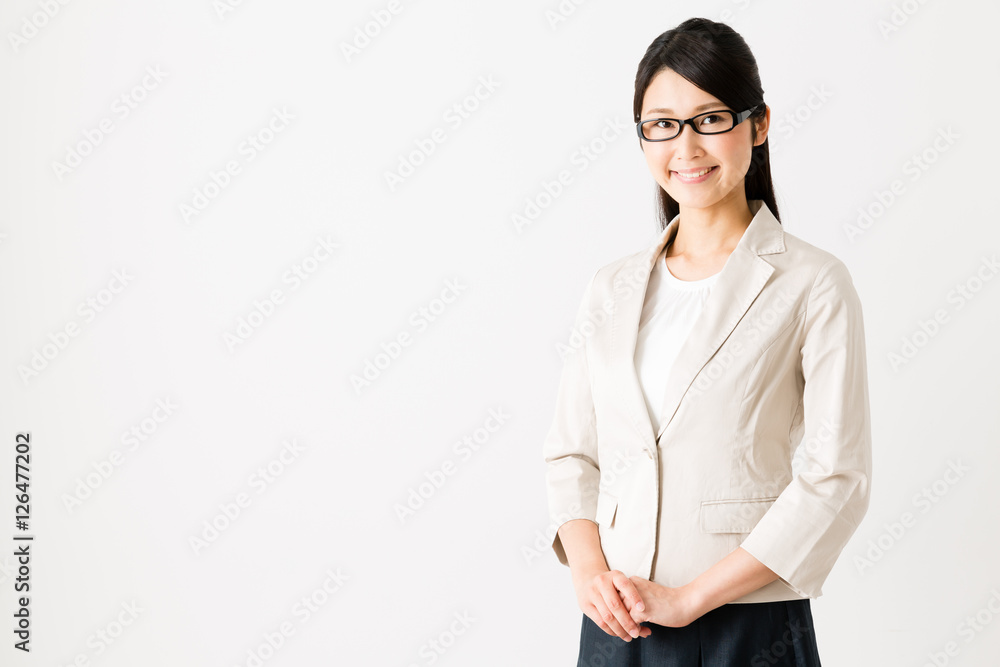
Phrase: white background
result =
(852, 106)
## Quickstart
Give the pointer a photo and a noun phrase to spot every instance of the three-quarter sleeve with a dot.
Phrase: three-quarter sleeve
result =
(803, 533)
(570, 447)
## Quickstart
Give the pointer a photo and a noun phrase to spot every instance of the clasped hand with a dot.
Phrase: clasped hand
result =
(618, 604)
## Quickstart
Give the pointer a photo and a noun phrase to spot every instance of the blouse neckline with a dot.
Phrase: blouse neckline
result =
(676, 283)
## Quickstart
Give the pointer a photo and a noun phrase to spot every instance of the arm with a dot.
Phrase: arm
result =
(732, 577)
(572, 481)
(807, 527)
(572, 474)
(596, 584)
(582, 542)
(803, 533)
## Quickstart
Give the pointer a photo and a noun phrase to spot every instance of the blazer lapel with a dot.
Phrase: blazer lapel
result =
(741, 280)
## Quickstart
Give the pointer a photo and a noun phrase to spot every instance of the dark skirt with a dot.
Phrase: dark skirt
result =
(753, 634)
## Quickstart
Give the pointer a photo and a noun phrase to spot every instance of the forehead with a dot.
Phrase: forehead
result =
(670, 91)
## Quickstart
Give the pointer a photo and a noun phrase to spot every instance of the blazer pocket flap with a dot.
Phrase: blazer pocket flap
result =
(733, 516)
(606, 506)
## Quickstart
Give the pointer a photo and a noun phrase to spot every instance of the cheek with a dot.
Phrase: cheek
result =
(736, 151)
(656, 155)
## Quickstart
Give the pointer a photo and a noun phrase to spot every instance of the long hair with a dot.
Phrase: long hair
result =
(715, 58)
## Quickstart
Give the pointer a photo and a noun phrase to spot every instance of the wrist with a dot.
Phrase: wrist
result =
(587, 568)
(695, 602)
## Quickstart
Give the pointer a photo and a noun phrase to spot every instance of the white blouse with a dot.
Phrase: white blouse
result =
(669, 310)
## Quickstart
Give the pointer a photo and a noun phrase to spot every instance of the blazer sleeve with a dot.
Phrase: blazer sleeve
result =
(570, 448)
(804, 531)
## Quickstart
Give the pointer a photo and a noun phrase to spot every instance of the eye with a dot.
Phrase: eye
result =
(664, 124)
(711, 119)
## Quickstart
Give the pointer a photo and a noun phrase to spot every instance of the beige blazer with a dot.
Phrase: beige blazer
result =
(765, 440)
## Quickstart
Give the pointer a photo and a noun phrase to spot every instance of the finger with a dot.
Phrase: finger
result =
(595, 615)
(639, 617)
(631, 600)
(616, 608)
(610, 621)
(607, 619)
(628, 591)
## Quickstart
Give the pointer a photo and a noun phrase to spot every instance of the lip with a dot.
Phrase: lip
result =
(683, 179)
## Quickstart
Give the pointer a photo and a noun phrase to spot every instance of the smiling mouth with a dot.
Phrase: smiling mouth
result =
(694, 175)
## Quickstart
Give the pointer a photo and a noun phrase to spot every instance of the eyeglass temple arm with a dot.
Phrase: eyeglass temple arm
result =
(743, 115)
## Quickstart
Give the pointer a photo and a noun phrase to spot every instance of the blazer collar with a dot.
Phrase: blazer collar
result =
(742, 278)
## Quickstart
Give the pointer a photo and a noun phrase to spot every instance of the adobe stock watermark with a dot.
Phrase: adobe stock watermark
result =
(928, 328)
(561, 12)
(420, 320)
(914, 167)
(900, 15)
(33, 24)
(264, 308)
(606, 650)
(923, 501)
(727, 15)
(621, 462)
(367, 32)
(761, 323)
(464, 449)
(970, 627)
(542, 542)
(550, 189)
(120, 109)
(780, 647)
(8, 568)
(302, 611)
(224, 8)
(246, 152)
(88, 310)
(231, 510)
(788, 124)
(454, 117)
(825, 434)
(595, 318)
(105, 636)
(132, 439)
(437, 646)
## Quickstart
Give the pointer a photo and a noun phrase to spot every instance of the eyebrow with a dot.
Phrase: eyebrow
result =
(710, 105)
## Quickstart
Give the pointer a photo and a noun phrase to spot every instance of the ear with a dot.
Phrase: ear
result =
(763, 125)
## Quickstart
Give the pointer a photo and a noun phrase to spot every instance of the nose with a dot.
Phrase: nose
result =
(687, 142)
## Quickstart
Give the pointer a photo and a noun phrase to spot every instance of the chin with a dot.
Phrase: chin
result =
(695, 202)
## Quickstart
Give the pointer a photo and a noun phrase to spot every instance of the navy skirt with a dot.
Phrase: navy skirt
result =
(752, 634)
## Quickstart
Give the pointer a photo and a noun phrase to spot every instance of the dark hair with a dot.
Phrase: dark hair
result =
(715, 58)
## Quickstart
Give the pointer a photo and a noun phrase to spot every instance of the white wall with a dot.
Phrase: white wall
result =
(331, 127)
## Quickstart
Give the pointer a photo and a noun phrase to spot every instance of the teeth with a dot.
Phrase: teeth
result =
(695, 175)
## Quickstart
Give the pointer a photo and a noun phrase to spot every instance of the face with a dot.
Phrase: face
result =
(670, 95)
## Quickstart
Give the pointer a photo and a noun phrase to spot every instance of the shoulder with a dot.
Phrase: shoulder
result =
(824, 279)
(803, 252)
(621, 275)
(816, 267)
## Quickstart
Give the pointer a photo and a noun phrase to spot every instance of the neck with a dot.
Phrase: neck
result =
(707, 232)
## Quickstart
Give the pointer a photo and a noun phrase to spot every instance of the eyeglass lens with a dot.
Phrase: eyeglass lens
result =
(708, 123)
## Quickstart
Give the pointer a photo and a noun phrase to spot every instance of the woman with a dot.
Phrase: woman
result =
(704, 369)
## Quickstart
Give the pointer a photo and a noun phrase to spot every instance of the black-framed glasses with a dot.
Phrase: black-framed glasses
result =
(710, 122)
